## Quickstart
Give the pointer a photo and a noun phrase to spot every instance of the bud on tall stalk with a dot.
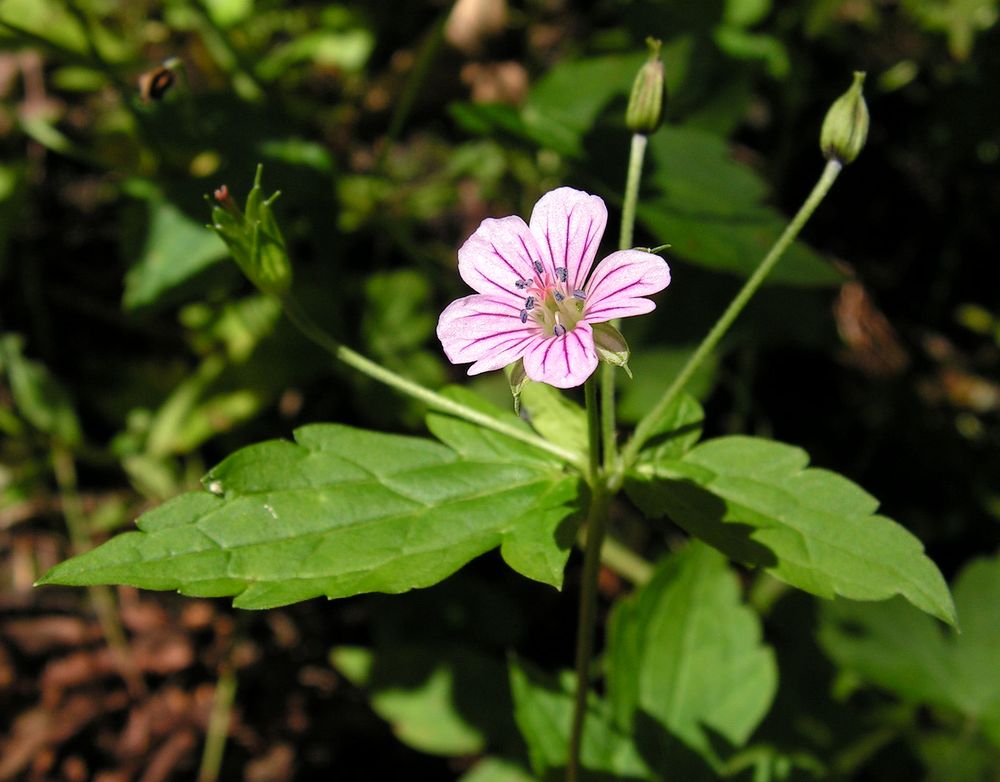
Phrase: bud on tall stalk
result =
(846, 125)
(649, 93)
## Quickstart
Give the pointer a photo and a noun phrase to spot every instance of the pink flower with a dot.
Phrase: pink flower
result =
(533, 297)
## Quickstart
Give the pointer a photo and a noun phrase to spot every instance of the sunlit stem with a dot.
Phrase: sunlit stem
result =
(304, 323)
(645, 427)
(637, 154)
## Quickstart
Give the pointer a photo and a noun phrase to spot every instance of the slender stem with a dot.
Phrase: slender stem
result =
(218, 725)
(101, 598)
(645, 428)
(425, 58)
(596, 522)
(593, 431)
(625, 562)
(637, 153)
(305, 324)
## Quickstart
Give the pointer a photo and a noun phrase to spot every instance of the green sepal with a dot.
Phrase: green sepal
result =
(254, 239)
(611, 346)
(517, 378)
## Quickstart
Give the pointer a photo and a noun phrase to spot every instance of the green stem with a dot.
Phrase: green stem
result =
(425, 58)
(625, 562)
(593, 431)
(646, 426)
(637, 153)
(596, 522)
(218, 725)
(101, 598)
(298, 316)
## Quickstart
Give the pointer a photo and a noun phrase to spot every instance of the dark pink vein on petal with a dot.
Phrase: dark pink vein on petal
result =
(531, 261)
(615, 293)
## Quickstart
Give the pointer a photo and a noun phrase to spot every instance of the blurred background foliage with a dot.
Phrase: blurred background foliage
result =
(133, 355)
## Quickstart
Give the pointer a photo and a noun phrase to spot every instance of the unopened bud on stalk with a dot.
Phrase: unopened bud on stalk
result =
(649, 92)
(846, 125)
(253, 238)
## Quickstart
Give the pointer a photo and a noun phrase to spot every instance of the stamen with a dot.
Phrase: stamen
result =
(538, 267)
(522, 284)
(557, 296)
(558, 330)
(561, 273)
(529, 303)
(581, 295)
(524, 316)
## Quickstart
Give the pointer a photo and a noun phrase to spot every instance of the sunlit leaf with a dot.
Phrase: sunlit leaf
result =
(177, 248)
(443, 700)
(338, 512)
(759, 503)
(686, 652)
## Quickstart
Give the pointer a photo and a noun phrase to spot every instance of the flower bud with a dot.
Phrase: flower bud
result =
(649, 92)
(518, 378)
(253, 238)
(846, 125)
(611, 346)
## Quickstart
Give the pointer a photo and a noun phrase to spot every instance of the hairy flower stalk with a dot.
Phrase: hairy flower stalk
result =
(536, 298)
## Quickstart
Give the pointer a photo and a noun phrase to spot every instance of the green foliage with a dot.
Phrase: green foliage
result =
(543, 708)
(688, 680)
(759, 503)
(891, 646)
(685, 652)
(176, 249)
(724, 228)
(436, 698)
(39, 398)
(339, 512)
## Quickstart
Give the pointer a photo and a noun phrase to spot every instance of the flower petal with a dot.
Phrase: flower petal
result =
(500, 252)
(486, 330)
(620, 281)
(563, 362)
(568, 225)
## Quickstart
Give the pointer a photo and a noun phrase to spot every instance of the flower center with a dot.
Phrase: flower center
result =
(550, 302)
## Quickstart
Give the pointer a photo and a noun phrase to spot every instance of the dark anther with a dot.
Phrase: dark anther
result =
(538, 267)
(524, 316)
(578, 294)
(558, 296)
(529, 303)
(561, 273)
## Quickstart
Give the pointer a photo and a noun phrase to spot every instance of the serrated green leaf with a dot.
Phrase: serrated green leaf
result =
(176, 249)
(443, 700)
(687, 652)
(338, 512)
(759, 503)
(676, 432)
(543, 710)
(895, 647)
(474, 442)
(554, 416)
